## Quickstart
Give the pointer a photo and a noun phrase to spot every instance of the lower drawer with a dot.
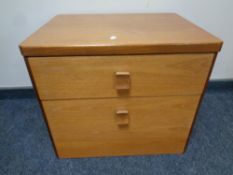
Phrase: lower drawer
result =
(120, 126)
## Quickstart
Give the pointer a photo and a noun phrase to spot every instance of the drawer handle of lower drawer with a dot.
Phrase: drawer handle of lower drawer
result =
(122, 81)
(122, 117)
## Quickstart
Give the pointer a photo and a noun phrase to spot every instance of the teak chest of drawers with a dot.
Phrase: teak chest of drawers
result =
(126, 84)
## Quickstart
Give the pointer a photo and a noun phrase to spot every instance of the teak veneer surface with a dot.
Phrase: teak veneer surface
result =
(94, 76)
(120, 84)
(83, 128)
(67, 35)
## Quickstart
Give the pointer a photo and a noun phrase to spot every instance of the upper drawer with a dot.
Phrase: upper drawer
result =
(103, 76)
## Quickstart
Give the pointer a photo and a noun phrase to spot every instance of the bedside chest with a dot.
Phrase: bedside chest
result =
(126, 84)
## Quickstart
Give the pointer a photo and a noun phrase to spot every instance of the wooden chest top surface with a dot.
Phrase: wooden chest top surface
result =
(110, 34)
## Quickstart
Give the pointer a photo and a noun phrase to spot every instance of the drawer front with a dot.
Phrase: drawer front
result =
(120, 126)
(114, 76)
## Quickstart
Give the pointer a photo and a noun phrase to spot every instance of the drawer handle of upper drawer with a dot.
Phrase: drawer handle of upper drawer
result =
(122, 117)
(122, 81)
(122, 112)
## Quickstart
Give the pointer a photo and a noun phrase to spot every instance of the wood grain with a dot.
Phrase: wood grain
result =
(94, 76)
(69, 35)
(84, 128)
(120, 84)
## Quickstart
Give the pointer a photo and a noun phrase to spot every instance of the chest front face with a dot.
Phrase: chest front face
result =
(114, 85)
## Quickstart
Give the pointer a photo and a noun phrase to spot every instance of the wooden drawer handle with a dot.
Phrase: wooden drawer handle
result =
(123, 73)
(122, 112)
(122, 117)
(122, 81)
